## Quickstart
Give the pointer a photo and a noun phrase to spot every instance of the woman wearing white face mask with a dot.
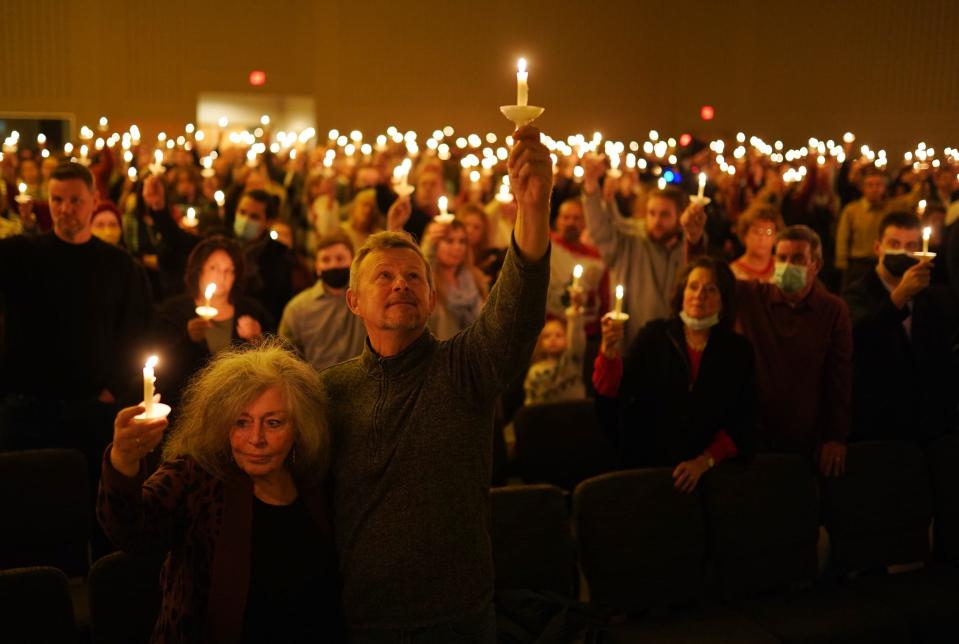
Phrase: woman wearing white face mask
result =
(686, 385)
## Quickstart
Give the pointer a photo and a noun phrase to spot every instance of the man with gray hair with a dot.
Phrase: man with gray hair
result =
(802, 337)
(412, 423)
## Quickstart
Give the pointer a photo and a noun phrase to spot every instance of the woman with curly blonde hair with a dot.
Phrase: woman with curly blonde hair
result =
(239, 503)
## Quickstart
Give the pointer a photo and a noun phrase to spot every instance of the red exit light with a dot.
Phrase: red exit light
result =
(257, 78)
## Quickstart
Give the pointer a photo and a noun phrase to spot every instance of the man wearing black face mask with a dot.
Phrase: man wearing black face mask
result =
(905, 370)
(317, 321)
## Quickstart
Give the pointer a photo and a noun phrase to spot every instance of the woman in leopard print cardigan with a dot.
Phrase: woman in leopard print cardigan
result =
(239, 504)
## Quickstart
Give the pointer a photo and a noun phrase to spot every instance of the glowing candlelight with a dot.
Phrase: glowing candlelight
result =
(220, 198)
(191, 221)
(921, 210)
(132, 173)
(103, 123)
(148, 380)
(22, 187)
(522, 85)
(444, 217)
(577, 276)
(42, 139)
(274, 235)
(926, 234)
(208, 312)
(702, 185)
(618, 310)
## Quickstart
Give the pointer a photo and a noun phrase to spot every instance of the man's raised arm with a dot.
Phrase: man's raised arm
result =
(531, 180)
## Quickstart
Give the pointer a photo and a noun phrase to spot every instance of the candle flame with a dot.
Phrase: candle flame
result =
(210, 290)
(702, 178)
(158, 157)
(926, 233)
(443, 203)
(578, 271)
(22, 187)
(619, 291)
(521, 65)
(152, 362)
(191, 213)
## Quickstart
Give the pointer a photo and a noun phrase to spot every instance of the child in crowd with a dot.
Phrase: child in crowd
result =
(556, 373)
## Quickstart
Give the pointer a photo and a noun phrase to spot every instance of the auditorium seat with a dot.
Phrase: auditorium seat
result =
(642, 548)
(878, 516)
(763, 527)
(124, 598)
(46, 510)
(943, 459)
(560, 443)
(35, 607)
(532, 544)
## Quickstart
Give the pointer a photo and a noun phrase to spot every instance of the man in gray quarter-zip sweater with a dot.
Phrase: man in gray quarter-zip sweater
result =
(412, 421)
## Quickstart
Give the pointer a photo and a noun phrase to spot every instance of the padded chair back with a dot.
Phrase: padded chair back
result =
(763, 525)
(641, 543)
(878, 514)
(561, 443)
(532, 543)
(35, 607)
(943, 459)
(46, 510)
(124, 598)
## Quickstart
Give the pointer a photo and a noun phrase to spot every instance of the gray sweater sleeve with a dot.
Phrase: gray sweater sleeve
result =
(497, 348)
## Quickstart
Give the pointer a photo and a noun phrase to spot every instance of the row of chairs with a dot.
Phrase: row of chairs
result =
(737, 561)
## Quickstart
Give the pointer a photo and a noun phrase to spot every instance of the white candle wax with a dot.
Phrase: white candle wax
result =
(148, 380)
(926, 234)
(443, 205)
(619, 300)
(522, 86)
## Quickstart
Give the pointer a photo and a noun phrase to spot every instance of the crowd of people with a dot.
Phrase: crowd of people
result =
(792, 305)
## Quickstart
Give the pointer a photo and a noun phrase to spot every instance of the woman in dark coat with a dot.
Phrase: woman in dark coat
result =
(239, 504)
(686, 385)
(184, 340)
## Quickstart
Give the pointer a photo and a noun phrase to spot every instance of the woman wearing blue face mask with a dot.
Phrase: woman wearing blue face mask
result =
(686, 385)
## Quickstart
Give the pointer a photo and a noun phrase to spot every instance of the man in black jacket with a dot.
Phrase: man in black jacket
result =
(269, 263)
(904, 332)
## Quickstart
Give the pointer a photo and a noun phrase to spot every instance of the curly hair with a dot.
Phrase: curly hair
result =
(235, 378)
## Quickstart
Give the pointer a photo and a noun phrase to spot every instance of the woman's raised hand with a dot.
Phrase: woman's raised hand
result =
(134, 439)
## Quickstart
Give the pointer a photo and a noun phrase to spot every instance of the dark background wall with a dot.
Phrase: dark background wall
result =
(888, 70)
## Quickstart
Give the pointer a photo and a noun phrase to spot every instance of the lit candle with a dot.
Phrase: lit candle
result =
(443, 204)
(219, 197)
(619, 300)
(148, 380)
(208, 293)
(702, 185)
(42, 139)
(274, 235)
(191, 220)
(926, 234)
(577, 276)
(522, 86)
(103, 123)
(157, 162)
(132, 173)
(22, 188)
(921, 210)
